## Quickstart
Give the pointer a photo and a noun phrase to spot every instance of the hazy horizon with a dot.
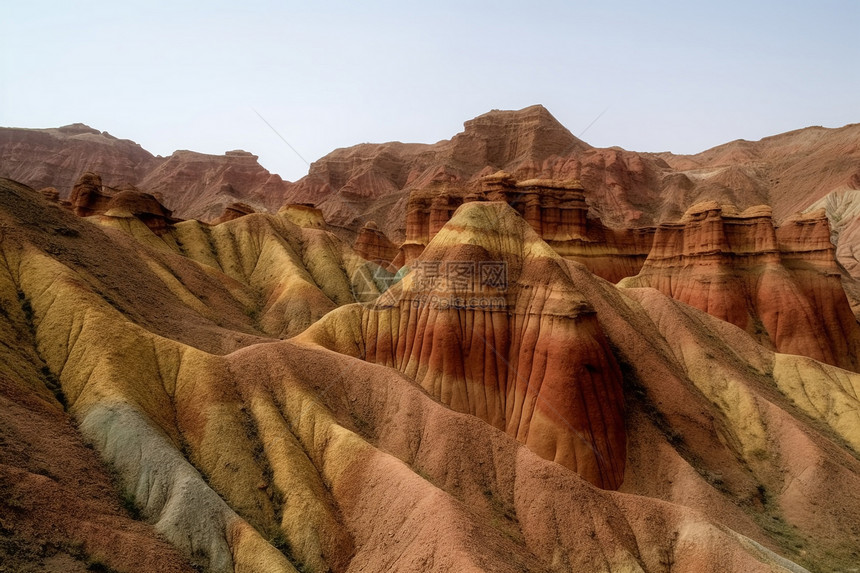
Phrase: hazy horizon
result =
(666, 77)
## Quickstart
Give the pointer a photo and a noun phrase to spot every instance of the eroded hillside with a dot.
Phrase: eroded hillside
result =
(192, 427)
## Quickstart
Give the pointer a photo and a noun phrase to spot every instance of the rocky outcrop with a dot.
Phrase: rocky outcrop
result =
(781, 285)
(201, 186)
(142, 206)
(89, 197)
(193, 185)
(357, 184)
(303, 215)
(372, 182)
(489, 323)
(56, 157)
(373, 245)
(50, 194)
(788, 171)
(556, 210)
(234, 211)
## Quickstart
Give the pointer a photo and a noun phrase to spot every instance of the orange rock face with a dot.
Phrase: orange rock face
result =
(373, 245)
(781, 285)
(490, 323)
(89, 197)
(193, 185)
(234, 211)
(556, 210)
(56, 157)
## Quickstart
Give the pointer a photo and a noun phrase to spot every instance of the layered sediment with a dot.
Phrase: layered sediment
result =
(782, 285)
(556, 210)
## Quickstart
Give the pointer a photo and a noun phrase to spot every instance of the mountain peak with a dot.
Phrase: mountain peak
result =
(544, 134)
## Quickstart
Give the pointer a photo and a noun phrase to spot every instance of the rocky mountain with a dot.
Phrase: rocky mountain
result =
(426, 428)
(58, 157)
(192, 185)
(535, 356)
(372, 182)
(782, 285)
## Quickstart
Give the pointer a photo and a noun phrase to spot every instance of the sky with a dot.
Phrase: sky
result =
(292, 81)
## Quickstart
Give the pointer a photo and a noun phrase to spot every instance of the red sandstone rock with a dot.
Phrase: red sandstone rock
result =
(556, 210)
(781, 285)
(89, 197)
(373, 245)
(490, 323)
(368, 173)
(234, 211)
(372, 182)
(56, 157)
(200, 186)
(193, 185)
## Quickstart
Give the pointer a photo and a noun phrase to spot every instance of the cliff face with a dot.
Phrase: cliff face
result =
(780, 285)
(357, 184)
(788, 171)
(89, 197)
(200, 186)
(489, 323)
(372, 245)
(193, 185)
(372, 182)
(556, 210)
(57, 157)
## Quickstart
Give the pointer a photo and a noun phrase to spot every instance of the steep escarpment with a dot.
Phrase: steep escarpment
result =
(781, 285)
(489, 323)
(555, 209)
(193, 185)
(372, 182)
(201, 186)
(791, 170)
(57, 157)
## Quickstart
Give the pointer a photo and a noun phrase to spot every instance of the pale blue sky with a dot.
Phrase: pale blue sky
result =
(674, 76)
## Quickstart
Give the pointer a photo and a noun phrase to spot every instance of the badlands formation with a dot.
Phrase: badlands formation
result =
(509, 351)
